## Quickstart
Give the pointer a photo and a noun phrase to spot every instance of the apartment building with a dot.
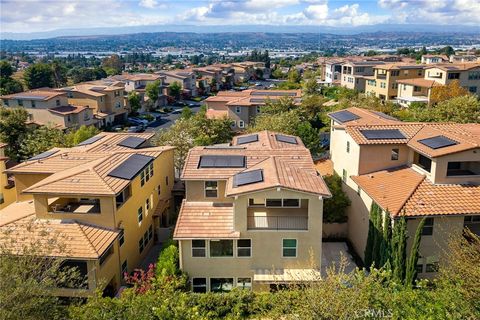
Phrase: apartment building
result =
(47, 106)
(243, 106)
(354, 73)
(383, 84)
(138, 82)
(100, 202)
(418, 170)
(467, 74)
(186, 78)
(106, 98)
(252, 216)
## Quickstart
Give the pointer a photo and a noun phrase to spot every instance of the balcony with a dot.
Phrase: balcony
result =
(277, 222)
(381, 76)
(83, 206)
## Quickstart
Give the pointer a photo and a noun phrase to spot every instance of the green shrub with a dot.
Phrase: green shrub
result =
(334, 208)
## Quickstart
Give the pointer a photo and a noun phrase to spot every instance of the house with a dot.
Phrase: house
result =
(354, 73)
(7, 183)
(332, 71)
(462, 58)
(212, 75)
(47, 106)
(242, 106)
(415, 90)
(101, 202)
(246, 70)
(138, 82)
(383, 84)
(467, 74)
(415, 170)
(186, 78)
(434, 58)
(106, 98)
(252, 217)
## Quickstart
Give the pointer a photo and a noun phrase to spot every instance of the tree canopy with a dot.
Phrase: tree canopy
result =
(39, 75)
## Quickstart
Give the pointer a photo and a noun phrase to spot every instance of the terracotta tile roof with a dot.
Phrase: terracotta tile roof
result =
(408, 130)
(403, 191)
(420, 82)
(16, 211)
(44, 94)
(400, 66)
(68, 109)
(205, 220)
(390, 189)
(324, 167)
(75, 240)
(253, 97)
(455, 66)
(285, 165)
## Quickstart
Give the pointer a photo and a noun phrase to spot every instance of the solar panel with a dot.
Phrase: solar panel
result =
(249, 177)
(43, 155)
(132, 142)
(90, 140)
(438, 142)
(344, 116)
(219, 161)
(30, 97)
(384, 116)
(273, 93)
(129, 168)
(383, 134)
(247, 139)
(287, 139)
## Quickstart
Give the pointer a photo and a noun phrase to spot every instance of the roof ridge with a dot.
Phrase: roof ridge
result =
(411, 193)
(79, 226)
(42, 183)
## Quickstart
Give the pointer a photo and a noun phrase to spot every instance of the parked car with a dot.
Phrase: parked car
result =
(135, 129)
(137, 120)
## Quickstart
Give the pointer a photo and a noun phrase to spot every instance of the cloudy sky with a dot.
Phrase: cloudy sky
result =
(44, 15)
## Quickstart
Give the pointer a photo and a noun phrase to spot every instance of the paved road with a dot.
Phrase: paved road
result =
(168, 119)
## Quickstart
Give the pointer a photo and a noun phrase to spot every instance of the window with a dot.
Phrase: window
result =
(121, 237)
(423, 162)
(151, 169)
(237, 109)
(117, 105)
(211, 189)
(145, 238)
(123, 196)
(395, 73)
(454, 75)
(417, 89)
(348, 146)
(221, 284)
(33, 104)
(124, 268)
(258, 109)
(292, 203)
(474, 75)
(199, 248)
(158, 189)
(20, 103)
(221, 248)
(419, 265)
(428, 227)
(233, 124)
(244, 248)
(394, 85)
(199, 285)
(432, 264)
(140, 245)
(241, 124)
(274, 202)
(166, 180)
(472, 223)
(256, 202)
(147, 205)
(420, 72)
(57, 102)
(244, 283)
(150, 233)
(344, 175)
(383, 85)
(140, 215)
(142, 178)
(394, 155)
(5, 102)
(472, 89)
(289, 248)
(106, 254)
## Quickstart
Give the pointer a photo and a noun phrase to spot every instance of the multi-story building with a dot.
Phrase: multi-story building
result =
(252, 216)
(415, 90)
(415, 170)
(383, 84)
(354, 73)
(213, 76)
(467, 75)
(462, 58)
(99, 202)
(332, 71)
(433, 58)
(243, 106)
(104, 97)
(49, 107)
(186, 78)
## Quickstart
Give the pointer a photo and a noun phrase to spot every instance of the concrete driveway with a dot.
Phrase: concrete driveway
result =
(331, 255)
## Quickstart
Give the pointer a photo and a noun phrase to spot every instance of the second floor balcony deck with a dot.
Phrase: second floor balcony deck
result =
(277, 219)
(62, 205)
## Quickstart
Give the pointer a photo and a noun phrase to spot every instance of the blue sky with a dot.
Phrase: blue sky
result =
(44, 15)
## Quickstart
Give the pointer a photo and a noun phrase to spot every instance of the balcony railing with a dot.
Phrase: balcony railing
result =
(277, 223)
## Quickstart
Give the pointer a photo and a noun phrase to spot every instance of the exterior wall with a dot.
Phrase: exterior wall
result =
(439, 172)
(378, 157)
(23, 181)
(39, 104)
(195, 191)
(407, 90)
(385, 86)
(81, 99)
(266, 245)
(8, 194)
(338, 150)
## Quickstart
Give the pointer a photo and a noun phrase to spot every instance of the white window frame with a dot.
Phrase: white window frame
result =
(206, 284)
(238, 109)
(205, 189)
(138, 215)
(296, 248)
(241, 124)
(242, 286)
(258, 109)
(237, 247)
(282, 201)
(205, 248)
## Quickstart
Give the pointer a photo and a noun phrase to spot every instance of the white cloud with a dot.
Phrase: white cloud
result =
(317, 12)
(148, 3)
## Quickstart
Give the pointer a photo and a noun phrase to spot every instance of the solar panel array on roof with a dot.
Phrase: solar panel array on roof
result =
(132, 142)
(383, 134)
(384, 116)
(249, 177)
(273, 93)
(31, 97)
(247, 139)
(129, 168)
(344, 116)
(43, 155)
(256, 100)
(438, 142)
(90, 141)
(287, 139)
(220, 161)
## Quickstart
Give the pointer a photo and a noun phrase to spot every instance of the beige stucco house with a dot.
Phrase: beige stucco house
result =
(418, 170)
(252, 216)
(467, 74)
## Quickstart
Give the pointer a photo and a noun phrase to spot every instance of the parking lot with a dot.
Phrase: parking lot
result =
(167, 119)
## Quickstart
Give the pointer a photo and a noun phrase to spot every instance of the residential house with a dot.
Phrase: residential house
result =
(213, 76)
(252, 217)
(242, 106)
(383, 84)
(47, 106)
(467, 74)
(332, 71)
(415, 90)
(186, 78)
(354, 73)
(415, 170)
(105, 97)
(100, 203)
(462, 58)
(434, 58)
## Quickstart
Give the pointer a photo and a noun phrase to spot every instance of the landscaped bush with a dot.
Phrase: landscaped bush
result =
(334, 208)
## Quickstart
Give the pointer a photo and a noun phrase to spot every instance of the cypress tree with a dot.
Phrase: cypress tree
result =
(387, 237)
(368, 253)
(411, 272)
(399, 240)
(378, 237)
